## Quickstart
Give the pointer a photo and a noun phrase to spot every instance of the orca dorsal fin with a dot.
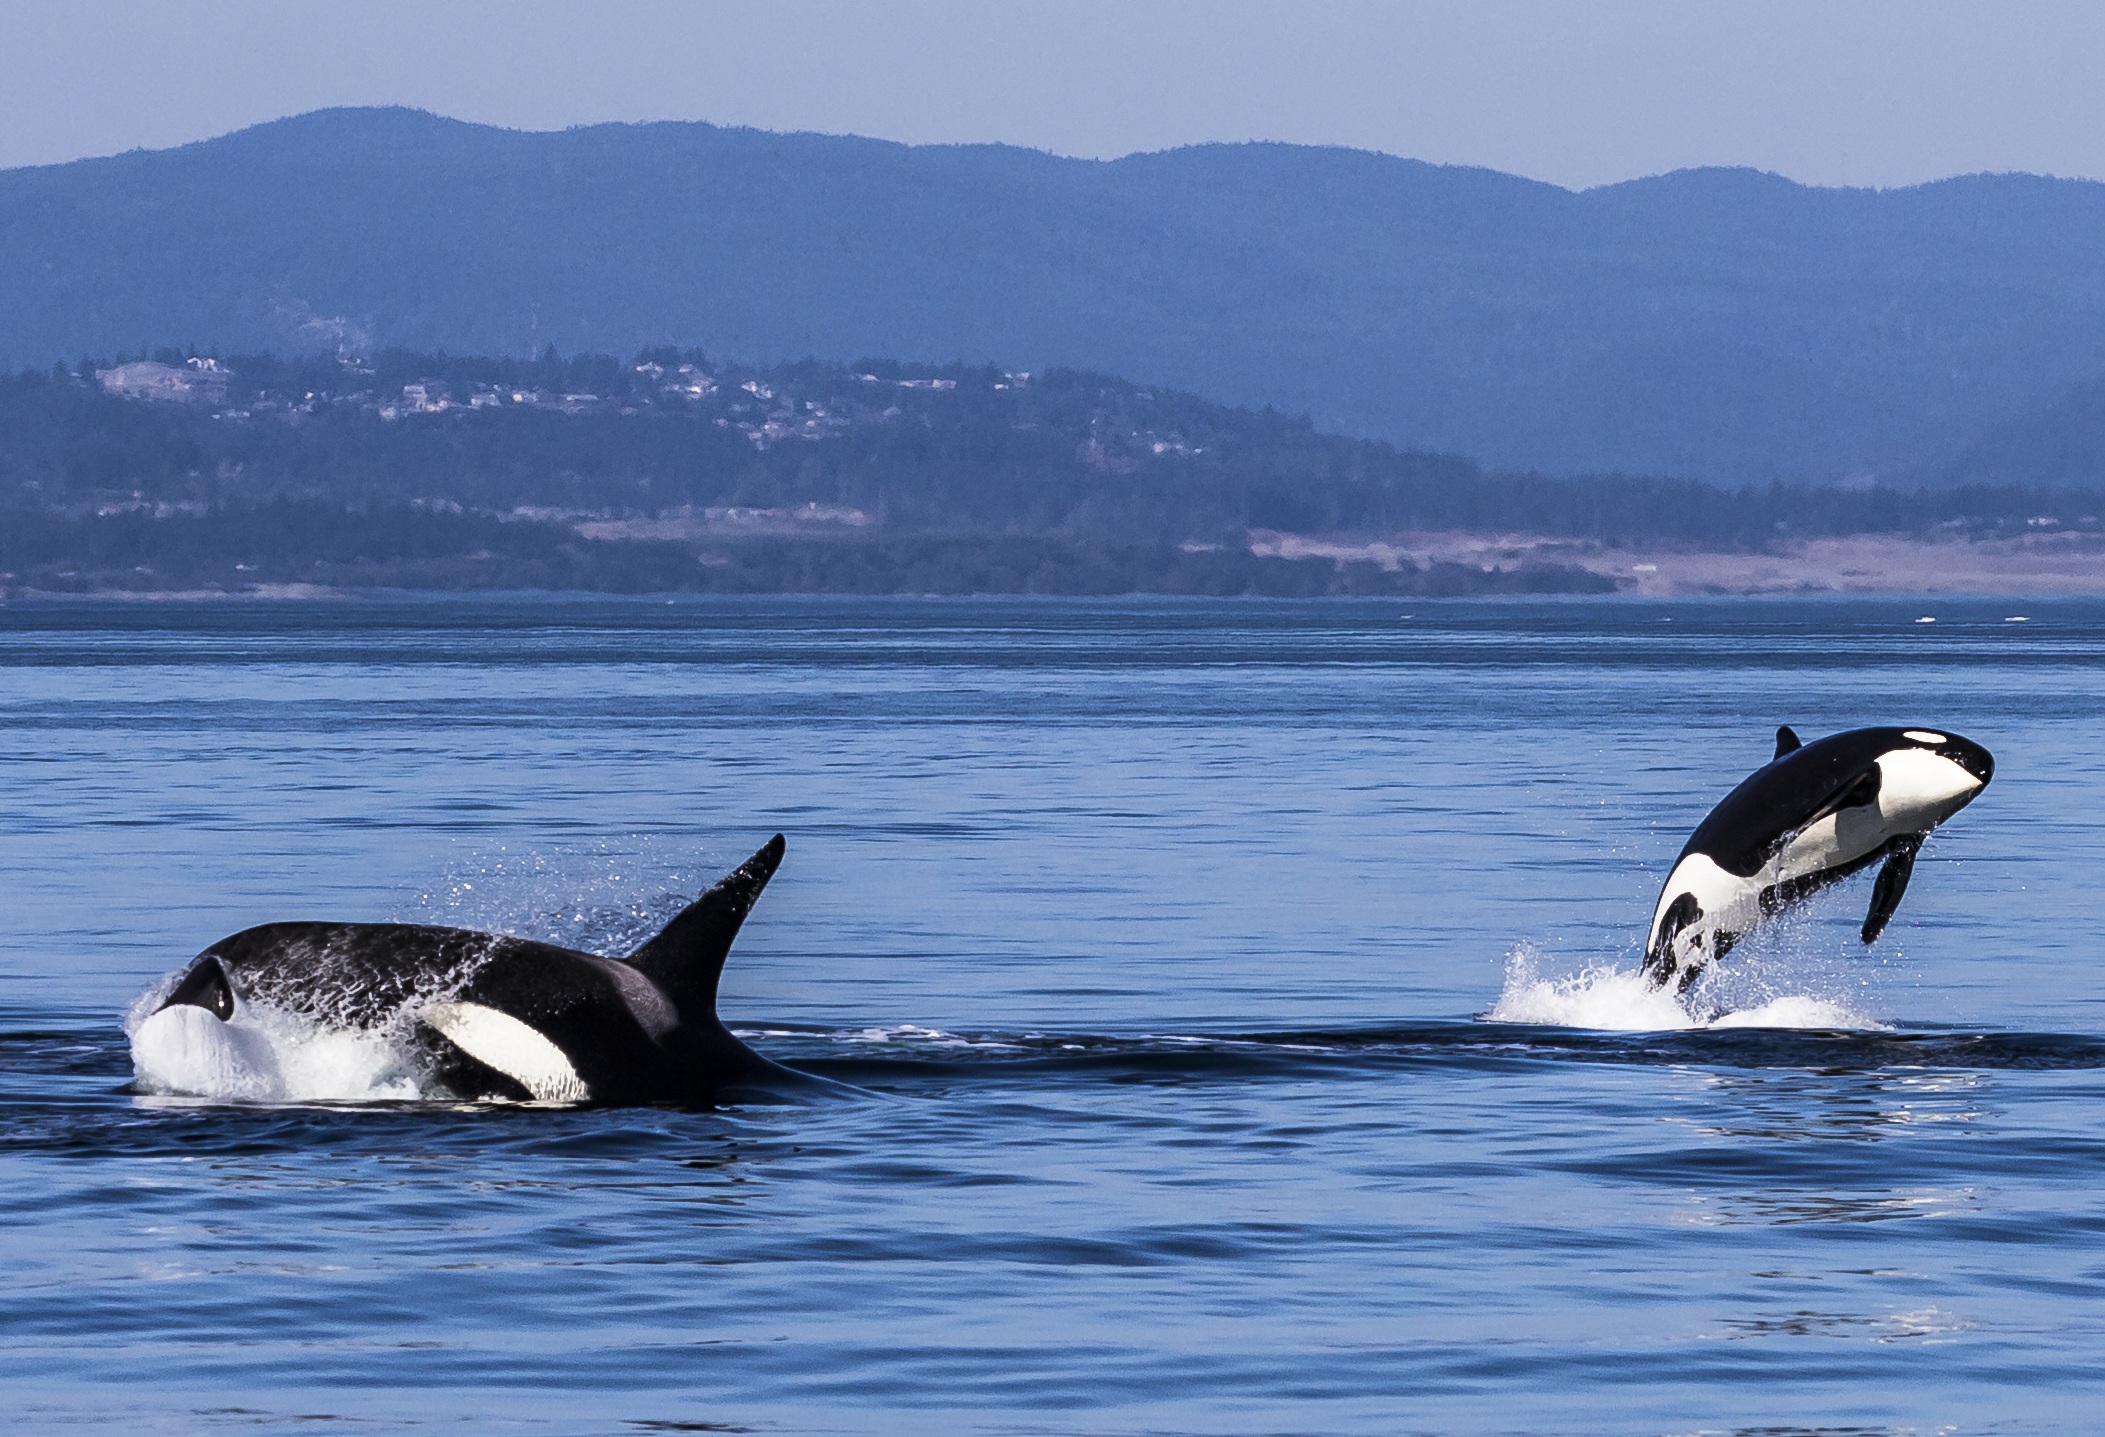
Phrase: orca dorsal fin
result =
(1786, 742)
(1892, 882)
(687, 956)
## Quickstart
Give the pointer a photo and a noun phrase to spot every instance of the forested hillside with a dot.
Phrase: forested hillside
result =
(1718, 324)
(672, 470)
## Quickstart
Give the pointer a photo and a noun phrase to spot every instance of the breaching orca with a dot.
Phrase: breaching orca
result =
(1812, 816)
(486, 1016)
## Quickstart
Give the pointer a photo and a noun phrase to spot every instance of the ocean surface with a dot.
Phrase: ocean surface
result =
(1241, 994)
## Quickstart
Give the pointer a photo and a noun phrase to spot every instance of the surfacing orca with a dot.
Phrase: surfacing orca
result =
(1812, 816)
(486, 1016)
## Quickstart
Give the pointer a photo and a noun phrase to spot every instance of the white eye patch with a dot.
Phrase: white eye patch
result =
(509, 1046)
(1922, 735)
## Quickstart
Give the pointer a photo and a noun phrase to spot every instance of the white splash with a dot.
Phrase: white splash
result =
(1799, 1011)
(1612, 999)
(188, 1051)
(263, 1056)
(907, 1033)
(575, 898)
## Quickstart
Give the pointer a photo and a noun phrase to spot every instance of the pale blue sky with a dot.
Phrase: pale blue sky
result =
(1875, 92)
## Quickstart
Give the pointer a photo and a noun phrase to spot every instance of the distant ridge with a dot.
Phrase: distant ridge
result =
(1720, 323)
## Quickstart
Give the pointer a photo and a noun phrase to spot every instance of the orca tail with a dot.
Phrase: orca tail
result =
(687, 956)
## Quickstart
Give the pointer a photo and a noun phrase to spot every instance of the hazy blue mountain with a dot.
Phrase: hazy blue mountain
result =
(1716, 322)
(2058, 443)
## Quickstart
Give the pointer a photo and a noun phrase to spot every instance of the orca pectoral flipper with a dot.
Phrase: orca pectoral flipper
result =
(1892, 883)
(687, 956)
(1859, 792)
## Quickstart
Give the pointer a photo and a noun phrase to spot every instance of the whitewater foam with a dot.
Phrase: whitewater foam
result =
(262, 1055)
(912, 1033)
(1612, 999)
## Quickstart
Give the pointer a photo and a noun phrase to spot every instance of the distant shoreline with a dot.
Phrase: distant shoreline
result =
(2049, 565)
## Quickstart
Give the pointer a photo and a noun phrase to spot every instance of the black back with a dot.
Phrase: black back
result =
(1802, 784)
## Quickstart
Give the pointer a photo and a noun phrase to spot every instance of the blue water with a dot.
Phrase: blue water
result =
(1160, 933)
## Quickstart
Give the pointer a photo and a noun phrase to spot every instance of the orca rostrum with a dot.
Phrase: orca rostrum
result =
(485, 1016)
(1813, 815)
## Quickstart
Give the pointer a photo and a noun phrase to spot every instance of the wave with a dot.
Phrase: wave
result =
(910, 1059)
